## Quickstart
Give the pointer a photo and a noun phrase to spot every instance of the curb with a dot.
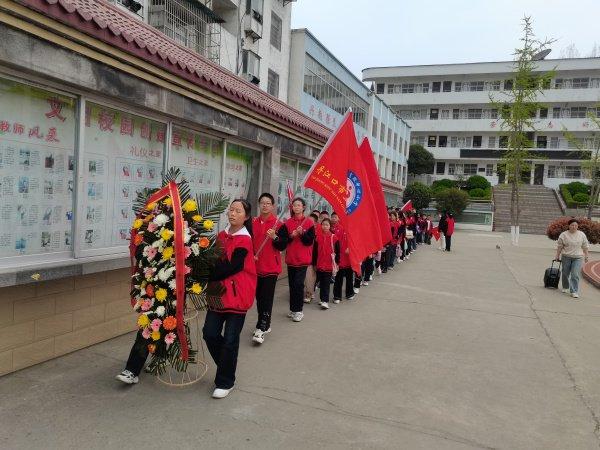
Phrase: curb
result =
(591, 272)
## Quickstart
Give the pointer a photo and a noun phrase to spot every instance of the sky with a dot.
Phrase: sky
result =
(378, 33)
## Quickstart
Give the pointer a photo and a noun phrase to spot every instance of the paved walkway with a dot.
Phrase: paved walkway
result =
(450, 351)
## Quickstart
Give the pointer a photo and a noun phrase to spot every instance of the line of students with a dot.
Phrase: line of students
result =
(251, 264)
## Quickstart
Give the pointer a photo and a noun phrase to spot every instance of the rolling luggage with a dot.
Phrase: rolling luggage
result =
(552, 275)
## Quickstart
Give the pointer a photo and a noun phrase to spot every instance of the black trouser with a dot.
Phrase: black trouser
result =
(347, 274)
(265, 291)
(223, 344)
(324, 278)
(358, 277)
(367, 268)
(137, 355)
(448, 243)
(428, 238)
(384, 259)
(391, 254)
(296, 276)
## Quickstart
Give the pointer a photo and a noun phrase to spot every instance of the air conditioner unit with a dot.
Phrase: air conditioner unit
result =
(253, 27)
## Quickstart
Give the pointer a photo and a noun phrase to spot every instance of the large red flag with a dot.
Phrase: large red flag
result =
(408, 206)
(340, 177)
(377, 191)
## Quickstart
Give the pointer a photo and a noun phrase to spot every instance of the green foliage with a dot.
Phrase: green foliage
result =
(581, 197)
(478, 182)
(443, 184)
(577, 187)
(477, 193)
(420, 161)
(452, 200)
(569, 198)
(419, 193)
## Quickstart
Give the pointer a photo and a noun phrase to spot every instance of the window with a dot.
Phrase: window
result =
(495, 85)
(468, 141)
(453, 141)
(455, 169)
(475, 86)
(276, 30)
(440, 168)
(442, 141)
(382, 133)
(508, 85)
(380, 89)
(420, 140)
(552, 171)
(445, 114)
(255, 7)
(541, 142)
(408, 88)
(489, 170)
(433, 113)
(390, 88)
(273, 83)
(389, 137)
(578, 112)
(492, 142)
(447, 86)
(431, 141)
(251, 65)
(458, 86)
(470, 169)
(375, 126)
(436, 86)
(396, 141)
(503, 142)
(455, 113)
(580, 83)
(477, 141)
(573, 172)
(425, 88)
(554, 142)
(474, 113)
(543, 113)
(556, 113)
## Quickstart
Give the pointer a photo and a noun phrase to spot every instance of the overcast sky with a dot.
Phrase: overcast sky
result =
(405, 32)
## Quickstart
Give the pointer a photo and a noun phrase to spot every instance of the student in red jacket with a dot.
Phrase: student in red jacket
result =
(236, 272)
(270, 237)
(298, 255)
(326, 254)
(345, 271)
(449, 230)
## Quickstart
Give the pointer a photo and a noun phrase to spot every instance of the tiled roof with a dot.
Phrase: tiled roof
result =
(108, 23)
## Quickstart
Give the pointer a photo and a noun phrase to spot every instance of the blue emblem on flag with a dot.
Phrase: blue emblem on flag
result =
(355, 192)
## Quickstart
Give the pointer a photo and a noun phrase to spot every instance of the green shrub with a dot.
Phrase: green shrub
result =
(440, 185)
(577, 187)
(477, 182)
(452, 200)
(419, 193)
(580, 197)
(477, 193)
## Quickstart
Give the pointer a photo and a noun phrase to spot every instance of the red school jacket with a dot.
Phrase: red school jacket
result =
(325, 250)
(395, 226)
(269, 259)
(344, 257)
(240, 288)
(450, 230)
(298, 254)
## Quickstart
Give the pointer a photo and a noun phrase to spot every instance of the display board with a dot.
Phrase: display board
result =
(287, 173)
(37, 140)
(242, 173)
(123, 155)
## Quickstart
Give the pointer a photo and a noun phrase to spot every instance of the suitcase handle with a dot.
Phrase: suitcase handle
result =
(558, 261)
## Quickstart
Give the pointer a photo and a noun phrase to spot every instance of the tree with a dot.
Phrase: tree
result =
(570, 51)
(419, 193)
(420, 161)
(452, 200)
(519, 107)
(591, 165)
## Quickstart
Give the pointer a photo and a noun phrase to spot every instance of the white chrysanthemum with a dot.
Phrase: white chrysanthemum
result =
(160, 311)
(165, 274)
(195, 248)
(186, 235)
(161, 219)
(172, 284)
(174, 303)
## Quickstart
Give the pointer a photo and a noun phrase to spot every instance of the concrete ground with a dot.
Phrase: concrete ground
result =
(450, 350)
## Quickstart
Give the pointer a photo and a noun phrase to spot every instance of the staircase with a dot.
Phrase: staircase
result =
(539, 207)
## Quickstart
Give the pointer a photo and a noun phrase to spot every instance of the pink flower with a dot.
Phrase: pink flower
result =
(187, 251)
(152, 227)
(188, 269)
(151, 252)
(147, 304)
(149, 272)
(155, 324)
(146, 333)
(170, 338)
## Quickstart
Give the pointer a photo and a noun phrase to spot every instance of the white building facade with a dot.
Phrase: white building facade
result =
(451, 115)
(251, 38)
(323, 88)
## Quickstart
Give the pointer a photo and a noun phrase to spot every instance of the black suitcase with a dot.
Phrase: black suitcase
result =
(552, 275)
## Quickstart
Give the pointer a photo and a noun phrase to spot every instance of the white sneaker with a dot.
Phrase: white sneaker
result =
(350, 298)
(575, 295)
(565, 291)
(307, 300)
(259, 336)
(356, 290)
(297, 316)
(290, 314)
(127, 377)
(336, 301)
(324, 305)
(379, 271)
(371, 278)
(221, 393)
(365, 283)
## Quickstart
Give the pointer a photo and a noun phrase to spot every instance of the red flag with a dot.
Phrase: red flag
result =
(340, 177)
(377, 192)
(435, 233)
(290, 194)
(408, 206)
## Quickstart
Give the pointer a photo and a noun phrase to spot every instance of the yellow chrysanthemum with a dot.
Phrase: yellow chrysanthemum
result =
(167, 253)
(143, 321)
(197, 218)
(143, 284)
(167, 201)
(166, 234)
(189, 205)
(151, 206)
(208, 224)
(155, 335)
(196, 288)
(161, 294)
(137, 223)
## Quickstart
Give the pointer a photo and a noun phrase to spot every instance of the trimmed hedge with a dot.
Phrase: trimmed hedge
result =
(568, 197)
(577, 187)
(478, 182)
(443, 184)
(477, 193)
(590, 228)
(581, 197)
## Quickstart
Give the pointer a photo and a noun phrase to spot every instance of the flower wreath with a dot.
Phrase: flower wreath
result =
(172, 249)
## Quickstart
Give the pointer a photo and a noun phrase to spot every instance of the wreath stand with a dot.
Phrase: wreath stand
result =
(195, 372)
